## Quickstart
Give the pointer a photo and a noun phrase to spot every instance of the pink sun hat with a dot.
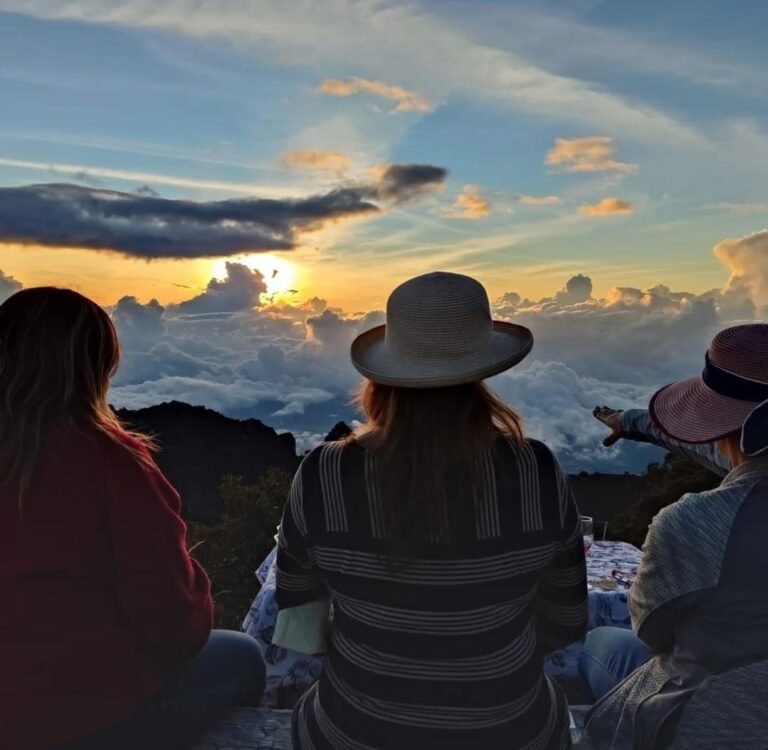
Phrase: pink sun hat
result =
(731, 394)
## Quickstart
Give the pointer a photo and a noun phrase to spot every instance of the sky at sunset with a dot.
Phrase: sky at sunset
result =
(242, 182)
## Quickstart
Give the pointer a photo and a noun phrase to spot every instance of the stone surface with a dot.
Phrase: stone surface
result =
(264, 729)
(250, 729)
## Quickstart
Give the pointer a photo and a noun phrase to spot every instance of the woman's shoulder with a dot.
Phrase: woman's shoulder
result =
(527, 451)
(530, 472)
(117, 452)
(331, 453)
(129, 469)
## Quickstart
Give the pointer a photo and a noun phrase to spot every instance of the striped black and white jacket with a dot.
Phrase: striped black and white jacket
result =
(446, 648)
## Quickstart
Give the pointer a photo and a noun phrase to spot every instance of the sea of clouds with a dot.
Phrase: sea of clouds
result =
(229, 349)
(289, 366)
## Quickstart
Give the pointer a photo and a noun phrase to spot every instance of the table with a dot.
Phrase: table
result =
(605, 607)
(290, 669)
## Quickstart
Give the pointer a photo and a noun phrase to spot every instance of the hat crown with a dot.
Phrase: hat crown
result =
(438, 315)
(742, 350)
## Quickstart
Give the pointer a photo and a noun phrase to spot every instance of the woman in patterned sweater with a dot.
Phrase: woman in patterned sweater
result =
(449, 545)
(699, 604)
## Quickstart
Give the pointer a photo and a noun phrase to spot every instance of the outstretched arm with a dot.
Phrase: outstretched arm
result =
(637, 425)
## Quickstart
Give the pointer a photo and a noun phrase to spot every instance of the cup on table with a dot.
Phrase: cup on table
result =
(588, 532)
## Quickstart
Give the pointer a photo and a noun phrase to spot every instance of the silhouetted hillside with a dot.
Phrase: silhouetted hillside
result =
(199, 446)
(338, 432)
(606, 496)
(661, 485)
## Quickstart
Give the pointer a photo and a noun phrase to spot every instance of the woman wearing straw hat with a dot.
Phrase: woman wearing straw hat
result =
(699, 603)
(448, 544)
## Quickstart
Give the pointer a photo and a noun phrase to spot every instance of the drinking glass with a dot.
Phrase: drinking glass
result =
(588, 532)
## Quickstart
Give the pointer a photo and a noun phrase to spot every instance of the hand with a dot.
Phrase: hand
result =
(610, 418)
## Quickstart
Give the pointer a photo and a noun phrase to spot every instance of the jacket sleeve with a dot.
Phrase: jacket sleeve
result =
(298, 581)
(164, 594)
(562, 604)
(636, 424)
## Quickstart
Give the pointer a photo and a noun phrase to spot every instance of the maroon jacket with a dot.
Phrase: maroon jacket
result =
(99, 600)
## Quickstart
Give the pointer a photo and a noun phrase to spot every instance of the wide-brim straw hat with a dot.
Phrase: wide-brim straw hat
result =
(731, 392)
(439, 332)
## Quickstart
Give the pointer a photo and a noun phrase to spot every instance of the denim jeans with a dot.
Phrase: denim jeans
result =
(228, 672)
(610, 655)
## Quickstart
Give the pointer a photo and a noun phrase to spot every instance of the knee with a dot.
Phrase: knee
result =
(599, 647)
(613, 649)
(252, 665)
(240, 656)
(605, 641)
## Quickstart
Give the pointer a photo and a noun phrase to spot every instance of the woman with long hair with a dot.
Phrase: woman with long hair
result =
(105, 633)
(448, 545)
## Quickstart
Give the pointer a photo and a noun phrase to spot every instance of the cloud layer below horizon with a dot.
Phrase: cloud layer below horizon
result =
(288, 364)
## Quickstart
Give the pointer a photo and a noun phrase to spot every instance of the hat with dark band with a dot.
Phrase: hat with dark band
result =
(731, 395)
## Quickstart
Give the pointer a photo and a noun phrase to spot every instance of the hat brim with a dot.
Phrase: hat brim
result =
(508, 345)
(691, 412)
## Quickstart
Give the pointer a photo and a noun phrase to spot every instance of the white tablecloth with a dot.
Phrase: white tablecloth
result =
(291, 669)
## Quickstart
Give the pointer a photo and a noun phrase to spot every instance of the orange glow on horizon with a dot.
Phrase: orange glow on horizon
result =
(344, 282)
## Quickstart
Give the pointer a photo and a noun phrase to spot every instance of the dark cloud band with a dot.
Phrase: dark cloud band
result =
(147, 226)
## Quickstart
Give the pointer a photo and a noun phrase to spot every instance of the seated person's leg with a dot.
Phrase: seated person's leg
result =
(228, 672)
(610, 655)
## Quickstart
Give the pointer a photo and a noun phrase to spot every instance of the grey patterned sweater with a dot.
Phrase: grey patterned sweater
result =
(700, 599)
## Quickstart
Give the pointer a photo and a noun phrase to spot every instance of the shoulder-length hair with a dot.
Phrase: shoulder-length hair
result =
(425, 440)
(58, 351)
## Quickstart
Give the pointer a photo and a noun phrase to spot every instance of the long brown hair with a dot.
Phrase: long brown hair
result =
(58, 351)
(426, 440)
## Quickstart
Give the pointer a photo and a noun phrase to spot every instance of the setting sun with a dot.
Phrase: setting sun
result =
(280, 275)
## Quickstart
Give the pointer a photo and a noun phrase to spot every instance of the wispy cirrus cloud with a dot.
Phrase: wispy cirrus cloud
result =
(592, 154)
(567, 40)
(469, 204)
(313, 159)
(405, 99)
(737, 208)
(607, 207)
(399, 41)
(147, 226)
(78, 171)
(539, 200)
